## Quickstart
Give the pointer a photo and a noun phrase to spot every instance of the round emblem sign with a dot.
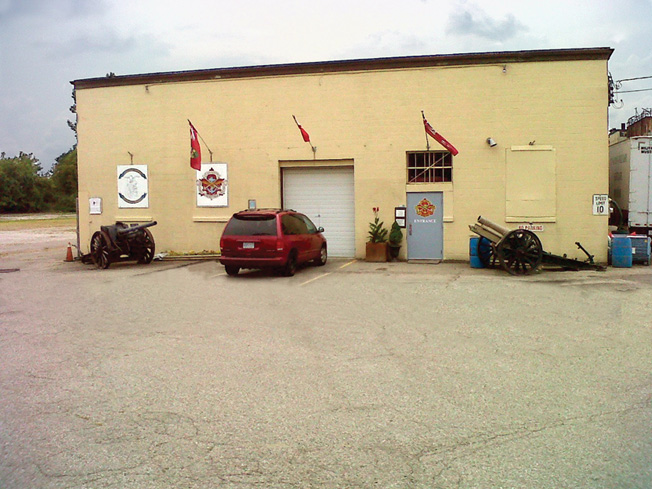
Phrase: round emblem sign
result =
(425, 208)
(132, 187)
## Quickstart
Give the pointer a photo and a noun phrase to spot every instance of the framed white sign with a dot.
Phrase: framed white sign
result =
(213, 185)
(600, 205)
(95, 205)
(133, 186)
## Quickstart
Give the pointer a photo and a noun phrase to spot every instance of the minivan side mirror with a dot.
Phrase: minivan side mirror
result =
(320, 229)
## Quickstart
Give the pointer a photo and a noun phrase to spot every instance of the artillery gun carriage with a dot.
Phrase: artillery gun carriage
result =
(122, 242)
(519, 251)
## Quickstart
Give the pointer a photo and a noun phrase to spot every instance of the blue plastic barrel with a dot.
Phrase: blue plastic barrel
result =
(621, 251)
(473, 253)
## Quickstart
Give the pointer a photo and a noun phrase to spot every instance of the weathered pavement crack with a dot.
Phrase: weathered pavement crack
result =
(448, 454)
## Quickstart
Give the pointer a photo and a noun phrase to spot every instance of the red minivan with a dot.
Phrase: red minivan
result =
(271, 238)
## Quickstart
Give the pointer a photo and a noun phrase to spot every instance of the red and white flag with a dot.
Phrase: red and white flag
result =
(438, 137)
(304, 133)
(195, 148)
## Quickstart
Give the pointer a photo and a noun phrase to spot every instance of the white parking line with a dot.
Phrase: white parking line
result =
(316, 278)
(347, 264)
(326, 274)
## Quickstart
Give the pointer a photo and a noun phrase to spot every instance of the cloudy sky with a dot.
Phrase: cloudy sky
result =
(44, 44)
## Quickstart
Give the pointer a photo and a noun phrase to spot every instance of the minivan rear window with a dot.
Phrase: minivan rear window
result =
(251, 226)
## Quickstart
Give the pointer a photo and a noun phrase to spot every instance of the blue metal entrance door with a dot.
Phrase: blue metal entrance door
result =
(425, 226)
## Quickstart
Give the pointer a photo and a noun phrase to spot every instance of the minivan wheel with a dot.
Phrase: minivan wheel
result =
(323, 256)
(231, 270)
(290, 265)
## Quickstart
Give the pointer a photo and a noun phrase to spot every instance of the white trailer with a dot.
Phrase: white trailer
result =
(630, 180)
(640, 185)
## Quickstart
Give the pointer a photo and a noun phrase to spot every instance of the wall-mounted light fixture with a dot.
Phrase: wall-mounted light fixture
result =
(491, 142)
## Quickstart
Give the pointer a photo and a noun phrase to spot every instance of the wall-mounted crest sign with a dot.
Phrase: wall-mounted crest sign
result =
(132, 186)
(212, 185)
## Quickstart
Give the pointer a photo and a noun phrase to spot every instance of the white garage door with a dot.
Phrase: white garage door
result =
(326, 196)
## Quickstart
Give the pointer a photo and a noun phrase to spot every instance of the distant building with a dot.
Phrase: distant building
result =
(640, 124)
(529, 127)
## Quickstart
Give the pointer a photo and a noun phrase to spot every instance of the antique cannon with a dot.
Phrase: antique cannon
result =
(519, 251)
(122, 242)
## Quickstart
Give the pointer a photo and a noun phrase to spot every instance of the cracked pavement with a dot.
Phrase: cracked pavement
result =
(389, 375)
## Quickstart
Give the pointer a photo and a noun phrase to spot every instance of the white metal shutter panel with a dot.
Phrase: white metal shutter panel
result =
(326, 196)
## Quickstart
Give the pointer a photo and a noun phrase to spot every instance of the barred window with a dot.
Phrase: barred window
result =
(429, 167)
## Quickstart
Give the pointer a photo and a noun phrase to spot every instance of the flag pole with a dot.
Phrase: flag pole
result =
(209, 150)
(314, 149)
(423, 116)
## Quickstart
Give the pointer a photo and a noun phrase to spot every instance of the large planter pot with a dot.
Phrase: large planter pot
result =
(376, 252)
(393, 251)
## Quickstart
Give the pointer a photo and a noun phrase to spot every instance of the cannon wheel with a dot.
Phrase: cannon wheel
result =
(486, 252)
(100, 250)
(150, 248)
(520, 252)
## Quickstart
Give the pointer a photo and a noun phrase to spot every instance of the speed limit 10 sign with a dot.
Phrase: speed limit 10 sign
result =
(600, 205)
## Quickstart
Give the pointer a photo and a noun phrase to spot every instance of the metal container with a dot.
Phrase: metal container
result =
(473, 253)
(641, 249)
(621, 251)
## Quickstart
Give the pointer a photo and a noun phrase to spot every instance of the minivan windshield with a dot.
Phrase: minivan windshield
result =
(251, 226)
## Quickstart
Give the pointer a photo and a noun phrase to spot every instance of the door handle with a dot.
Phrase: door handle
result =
(410, 229)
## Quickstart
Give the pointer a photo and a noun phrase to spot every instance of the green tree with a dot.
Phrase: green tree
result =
(63, 178)
(20, 187)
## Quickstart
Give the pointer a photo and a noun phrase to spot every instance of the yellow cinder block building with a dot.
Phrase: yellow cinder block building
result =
(530, 127)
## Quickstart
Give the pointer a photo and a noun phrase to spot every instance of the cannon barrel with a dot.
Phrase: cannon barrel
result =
(131, 229)
(486, 232)
(492, 225)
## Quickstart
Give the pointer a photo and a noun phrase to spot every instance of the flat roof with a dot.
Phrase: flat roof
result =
(371, 64)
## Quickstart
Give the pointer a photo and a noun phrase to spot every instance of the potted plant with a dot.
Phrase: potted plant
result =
(377, 242)
(395, 240)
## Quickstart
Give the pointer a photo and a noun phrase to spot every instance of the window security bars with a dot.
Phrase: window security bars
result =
(429, 167)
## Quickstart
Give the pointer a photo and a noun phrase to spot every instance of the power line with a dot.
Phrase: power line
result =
(632, 79)
(632, 91)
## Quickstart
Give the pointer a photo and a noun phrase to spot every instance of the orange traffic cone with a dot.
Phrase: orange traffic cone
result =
(69, 253)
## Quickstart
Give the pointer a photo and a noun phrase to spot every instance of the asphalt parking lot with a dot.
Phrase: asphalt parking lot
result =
(352, 375)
